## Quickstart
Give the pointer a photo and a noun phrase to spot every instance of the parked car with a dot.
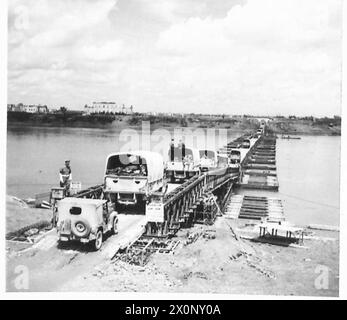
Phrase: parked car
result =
(85, 220)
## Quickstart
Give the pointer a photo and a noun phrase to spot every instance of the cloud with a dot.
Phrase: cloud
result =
(104, 52)
(266, 55)
(228, 56)
(53, 43)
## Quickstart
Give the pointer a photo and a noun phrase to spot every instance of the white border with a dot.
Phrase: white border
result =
(152, 296)
(3, 117)
(343, 172)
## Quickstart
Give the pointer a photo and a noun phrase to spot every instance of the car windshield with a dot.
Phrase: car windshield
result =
(127, 165)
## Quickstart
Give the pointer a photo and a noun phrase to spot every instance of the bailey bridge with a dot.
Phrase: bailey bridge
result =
(198, 200)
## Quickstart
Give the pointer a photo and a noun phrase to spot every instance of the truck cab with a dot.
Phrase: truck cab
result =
(246, 144)
(235, 156)
(208, 160)
(183, 163)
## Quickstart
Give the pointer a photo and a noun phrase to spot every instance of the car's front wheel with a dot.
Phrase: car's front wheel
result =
(98, 240)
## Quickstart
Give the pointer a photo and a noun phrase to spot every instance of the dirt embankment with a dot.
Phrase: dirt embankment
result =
(19, 214)
(224, 264)
(135, 122)
(306, 127)
(278, 125)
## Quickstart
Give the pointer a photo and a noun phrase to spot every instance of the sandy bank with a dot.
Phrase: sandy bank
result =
(222, 265)
(19, 214)
(322, 126)
(225, 264)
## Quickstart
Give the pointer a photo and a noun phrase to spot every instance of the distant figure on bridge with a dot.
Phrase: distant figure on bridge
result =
(172, 150)
(65, 176)
(182, 147)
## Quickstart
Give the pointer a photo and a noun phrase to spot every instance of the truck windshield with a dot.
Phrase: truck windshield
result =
(235, 154)
(127, 165)
(178, 153)
(246, 143)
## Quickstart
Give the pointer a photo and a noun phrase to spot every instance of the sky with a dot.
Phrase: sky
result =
(261, 57)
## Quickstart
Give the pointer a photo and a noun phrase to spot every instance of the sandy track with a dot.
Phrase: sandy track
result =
(50, 265)
(221, 265)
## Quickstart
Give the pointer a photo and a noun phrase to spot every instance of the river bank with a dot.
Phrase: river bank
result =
(20, 215)
(323, 126)
(223, 264)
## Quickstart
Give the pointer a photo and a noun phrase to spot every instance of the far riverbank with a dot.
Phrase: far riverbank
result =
(285, 126)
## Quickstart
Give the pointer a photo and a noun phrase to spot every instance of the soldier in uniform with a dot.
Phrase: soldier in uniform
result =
(65, 176)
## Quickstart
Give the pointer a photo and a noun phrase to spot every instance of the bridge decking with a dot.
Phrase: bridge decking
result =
(255, 208)
(259, 168)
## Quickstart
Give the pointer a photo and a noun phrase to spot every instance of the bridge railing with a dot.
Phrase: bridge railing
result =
(180, 206)
(95, 192)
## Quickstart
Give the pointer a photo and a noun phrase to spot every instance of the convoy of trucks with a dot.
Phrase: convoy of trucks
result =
(130, 179)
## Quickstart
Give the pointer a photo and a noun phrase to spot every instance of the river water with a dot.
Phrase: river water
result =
(308, 169)
(308, 172)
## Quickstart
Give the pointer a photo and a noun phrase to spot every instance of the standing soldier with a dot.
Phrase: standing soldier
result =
(65, 177)
(172, 150)
(182, 147)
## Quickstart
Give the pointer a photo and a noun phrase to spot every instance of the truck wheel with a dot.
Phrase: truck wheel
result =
(115, 226)
(98, 240)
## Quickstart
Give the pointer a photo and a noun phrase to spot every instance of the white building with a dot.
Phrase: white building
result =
(107, 107)
(264, 119)
(30, 108)
(42, 109)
